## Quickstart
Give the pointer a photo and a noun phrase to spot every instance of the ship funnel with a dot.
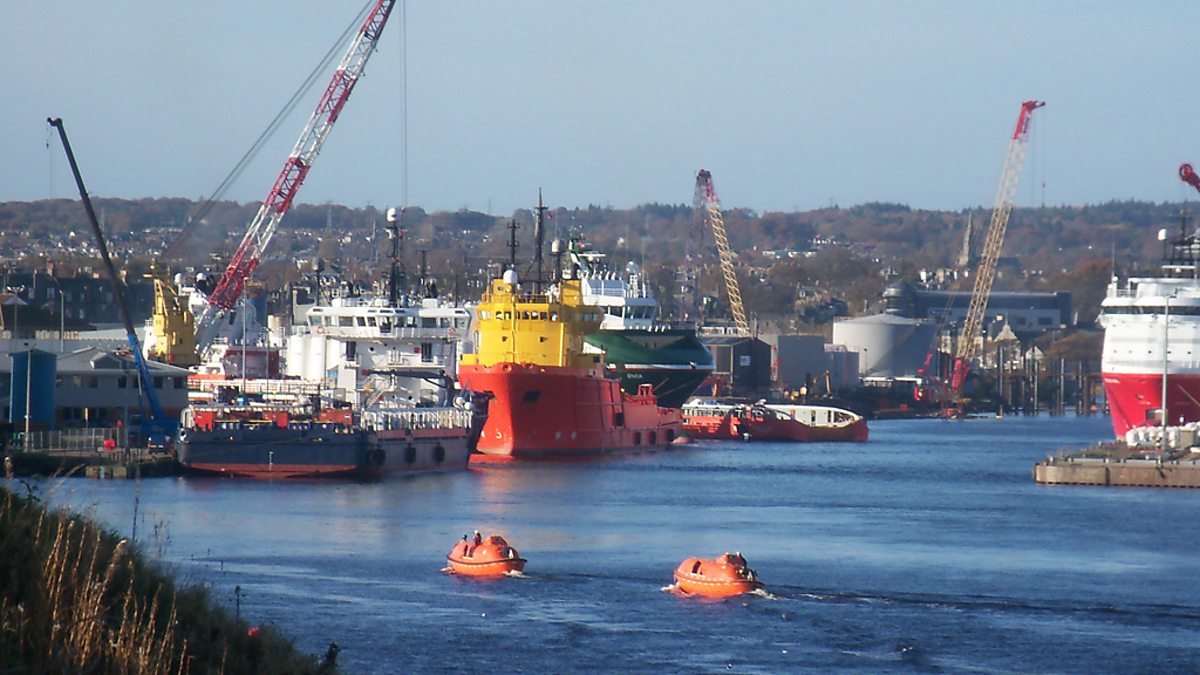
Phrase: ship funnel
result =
(510, 277)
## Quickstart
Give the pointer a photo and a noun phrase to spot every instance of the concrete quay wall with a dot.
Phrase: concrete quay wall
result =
(1119, 472)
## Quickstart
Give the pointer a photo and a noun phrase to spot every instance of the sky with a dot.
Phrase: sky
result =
(793, 105)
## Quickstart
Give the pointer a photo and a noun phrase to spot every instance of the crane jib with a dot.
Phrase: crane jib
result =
(233, 281)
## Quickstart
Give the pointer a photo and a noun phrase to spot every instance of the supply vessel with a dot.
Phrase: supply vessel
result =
(547, 396)
(1152, 333)
(638, 347)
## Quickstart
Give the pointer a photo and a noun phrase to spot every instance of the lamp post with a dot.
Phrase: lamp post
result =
(1166, 363)
(28, 380)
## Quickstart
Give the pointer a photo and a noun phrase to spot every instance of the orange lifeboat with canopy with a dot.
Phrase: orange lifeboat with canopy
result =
(725, 576)
(480, 557)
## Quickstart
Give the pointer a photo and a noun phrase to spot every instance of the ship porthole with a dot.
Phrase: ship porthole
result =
(439, 454)
(410, 454)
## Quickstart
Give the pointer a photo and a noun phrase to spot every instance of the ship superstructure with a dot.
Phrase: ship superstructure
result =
(1152, 329)
(639, 348)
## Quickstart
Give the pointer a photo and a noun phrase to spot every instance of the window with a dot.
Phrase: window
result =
(180, 382)
(158, 382)
(345, 322)
(531, 396)
(426, 352)
(122, 382)
(362, 321)
(93, 382)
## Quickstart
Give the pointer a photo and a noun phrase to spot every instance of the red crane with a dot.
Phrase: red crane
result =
(986, 273)
(1189, 176)
(228, 290)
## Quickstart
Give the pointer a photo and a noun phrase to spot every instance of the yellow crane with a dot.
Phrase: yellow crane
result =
(968, 347)
(708, 204)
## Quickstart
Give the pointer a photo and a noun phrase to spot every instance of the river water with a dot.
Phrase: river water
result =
(930, 548)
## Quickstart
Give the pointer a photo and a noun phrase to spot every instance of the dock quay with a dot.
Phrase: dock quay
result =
(95, 453)
(1116, 464)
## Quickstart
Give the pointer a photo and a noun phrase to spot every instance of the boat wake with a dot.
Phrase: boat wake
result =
(762, 593)
(516, 574)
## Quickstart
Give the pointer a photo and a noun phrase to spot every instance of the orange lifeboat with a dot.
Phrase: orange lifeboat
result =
(490, 557)
(722, 577)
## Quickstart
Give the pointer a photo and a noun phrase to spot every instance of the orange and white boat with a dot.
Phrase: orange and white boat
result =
(740, 419)
(490, 557)
(724, 576)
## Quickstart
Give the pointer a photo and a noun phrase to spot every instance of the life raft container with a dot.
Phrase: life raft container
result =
(492, 557)
(724, 576)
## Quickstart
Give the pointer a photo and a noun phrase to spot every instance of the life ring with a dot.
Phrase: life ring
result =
(452, 332)
(320, 330)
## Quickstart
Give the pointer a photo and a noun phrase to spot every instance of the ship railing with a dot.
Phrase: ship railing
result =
(434, 418)
(378, 333)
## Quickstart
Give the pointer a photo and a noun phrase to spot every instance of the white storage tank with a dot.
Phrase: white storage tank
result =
(887, 345)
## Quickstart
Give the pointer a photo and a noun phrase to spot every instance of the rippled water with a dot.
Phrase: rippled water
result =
(929, 548)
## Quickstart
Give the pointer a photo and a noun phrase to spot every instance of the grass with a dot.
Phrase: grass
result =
(75, 597)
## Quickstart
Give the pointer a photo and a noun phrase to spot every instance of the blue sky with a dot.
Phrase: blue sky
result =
(791, 105)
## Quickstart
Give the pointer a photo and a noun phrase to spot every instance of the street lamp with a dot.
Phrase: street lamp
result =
(1166, 364)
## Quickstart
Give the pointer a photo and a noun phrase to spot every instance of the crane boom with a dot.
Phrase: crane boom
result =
(160, 427)
(228, 290)
(1188, 175)
(986, 273)
(706, 202)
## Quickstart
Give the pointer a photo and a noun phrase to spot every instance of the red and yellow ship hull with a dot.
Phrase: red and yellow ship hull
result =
(562, 411)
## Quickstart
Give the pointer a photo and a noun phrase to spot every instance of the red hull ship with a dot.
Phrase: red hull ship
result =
(769, 422)
(1151, 330)
(561, 411)
(547, 398)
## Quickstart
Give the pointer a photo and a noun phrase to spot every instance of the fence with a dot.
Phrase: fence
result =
(68, 440)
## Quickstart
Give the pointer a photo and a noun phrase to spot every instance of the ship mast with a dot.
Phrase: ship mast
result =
(539, 236)
(512, 244)
(396, 269)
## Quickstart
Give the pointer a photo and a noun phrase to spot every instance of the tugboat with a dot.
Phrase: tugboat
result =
(491, 557)
(725, 576)
(740, 419)
(547, 396)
